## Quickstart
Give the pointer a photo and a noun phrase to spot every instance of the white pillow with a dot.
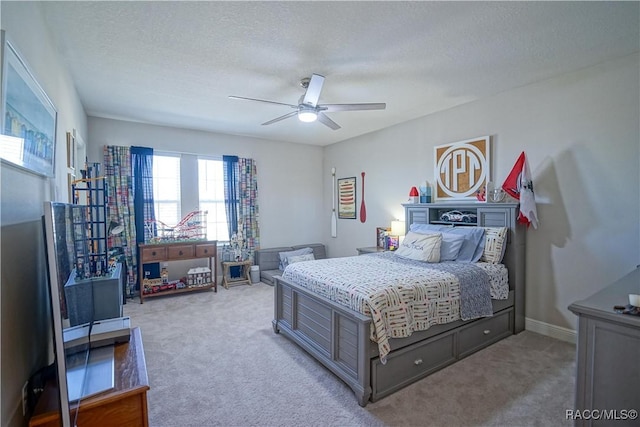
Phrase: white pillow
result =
(421, 247)
(299, 258)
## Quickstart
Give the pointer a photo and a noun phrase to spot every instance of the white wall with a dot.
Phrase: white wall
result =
(289, 175)
(24, 311)
(581, 135)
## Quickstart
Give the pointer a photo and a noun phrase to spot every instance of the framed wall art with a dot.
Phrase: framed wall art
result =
(71, 150)
(462, 169)
(347, 198)
(28, 117)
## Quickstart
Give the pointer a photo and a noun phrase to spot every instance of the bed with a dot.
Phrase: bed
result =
(377, 348)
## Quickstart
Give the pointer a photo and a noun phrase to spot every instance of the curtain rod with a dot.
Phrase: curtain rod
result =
(215, 156)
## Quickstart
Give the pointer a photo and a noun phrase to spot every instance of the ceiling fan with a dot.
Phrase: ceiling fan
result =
(308, 109)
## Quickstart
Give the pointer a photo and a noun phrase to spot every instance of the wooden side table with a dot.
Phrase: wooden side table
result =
(244, 279)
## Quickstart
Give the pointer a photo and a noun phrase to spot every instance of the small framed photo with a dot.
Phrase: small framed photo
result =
(393, 243)
(71, 150)
(381, 237)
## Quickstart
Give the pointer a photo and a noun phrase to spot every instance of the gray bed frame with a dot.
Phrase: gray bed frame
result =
(338, 337)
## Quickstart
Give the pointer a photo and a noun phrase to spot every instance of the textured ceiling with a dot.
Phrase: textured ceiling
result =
(175, 63)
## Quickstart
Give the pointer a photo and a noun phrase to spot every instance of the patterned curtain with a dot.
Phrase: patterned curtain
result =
(241, 199)
(248, 207)
(118, 173)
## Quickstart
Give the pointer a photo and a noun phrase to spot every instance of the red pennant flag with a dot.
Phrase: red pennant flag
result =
(520, 186)
(512, 184)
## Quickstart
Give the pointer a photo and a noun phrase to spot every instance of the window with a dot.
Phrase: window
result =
(200, 186)
(166, 190)
(211, 198)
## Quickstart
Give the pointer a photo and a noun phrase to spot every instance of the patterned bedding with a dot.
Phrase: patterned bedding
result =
(402, 295)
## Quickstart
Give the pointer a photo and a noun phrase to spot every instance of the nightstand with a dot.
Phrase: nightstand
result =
(369, 250)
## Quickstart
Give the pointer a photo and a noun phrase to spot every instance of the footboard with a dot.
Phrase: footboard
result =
(336, 336)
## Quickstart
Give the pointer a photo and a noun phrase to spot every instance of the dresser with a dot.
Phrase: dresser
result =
(161, 252)
(608, 355)
(124, 405)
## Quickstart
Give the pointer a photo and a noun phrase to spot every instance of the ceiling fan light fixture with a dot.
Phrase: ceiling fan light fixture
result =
(307, 116)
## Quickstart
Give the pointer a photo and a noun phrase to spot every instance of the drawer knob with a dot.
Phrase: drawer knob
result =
(153, 253)
(417, 362)
(180, 253)
(206, 251)
(486, 331)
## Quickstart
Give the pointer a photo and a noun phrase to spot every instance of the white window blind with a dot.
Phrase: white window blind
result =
(166, 190)
(211, 198)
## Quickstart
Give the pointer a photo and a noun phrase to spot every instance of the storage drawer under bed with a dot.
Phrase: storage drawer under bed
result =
(485, 331)
(411, 363)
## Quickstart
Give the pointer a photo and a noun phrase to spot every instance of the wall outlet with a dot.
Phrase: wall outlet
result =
(24, 398)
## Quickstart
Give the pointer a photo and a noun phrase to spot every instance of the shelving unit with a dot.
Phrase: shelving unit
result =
(90, 223)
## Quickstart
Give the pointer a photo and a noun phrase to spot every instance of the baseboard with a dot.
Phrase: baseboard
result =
(553, 331)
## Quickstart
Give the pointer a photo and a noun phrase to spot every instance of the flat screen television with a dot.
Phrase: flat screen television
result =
(82, 371)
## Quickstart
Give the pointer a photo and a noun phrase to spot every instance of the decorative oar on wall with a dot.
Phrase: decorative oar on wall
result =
(334, 218)
(363, 207)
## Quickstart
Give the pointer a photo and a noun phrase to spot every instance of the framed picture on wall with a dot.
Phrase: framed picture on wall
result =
(347, 198)
(71, 150)
(28, 117)
(462, 169)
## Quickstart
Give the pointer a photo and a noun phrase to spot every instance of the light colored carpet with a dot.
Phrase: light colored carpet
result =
(214, 360)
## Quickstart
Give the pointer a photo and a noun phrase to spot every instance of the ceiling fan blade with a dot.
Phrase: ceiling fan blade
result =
(277, 119)
(312, 95)
(353, 107)
(322, 118)
(261, 100)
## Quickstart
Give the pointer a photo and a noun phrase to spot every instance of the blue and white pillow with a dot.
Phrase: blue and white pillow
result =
(284, 255)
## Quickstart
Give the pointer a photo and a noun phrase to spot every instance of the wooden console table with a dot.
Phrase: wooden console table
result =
(244, 279)
(124, 405)
(159, 252)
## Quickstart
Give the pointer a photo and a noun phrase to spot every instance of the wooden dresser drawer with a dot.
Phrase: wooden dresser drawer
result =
(408, 365)
(151, 254)
(484, 332)
(180, 252)
(205, 250)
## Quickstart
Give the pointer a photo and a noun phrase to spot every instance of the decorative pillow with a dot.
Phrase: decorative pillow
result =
(299, 258)
(495, 243)
(421, 247)
(285, 255)
(451, 245)
(473, 244)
